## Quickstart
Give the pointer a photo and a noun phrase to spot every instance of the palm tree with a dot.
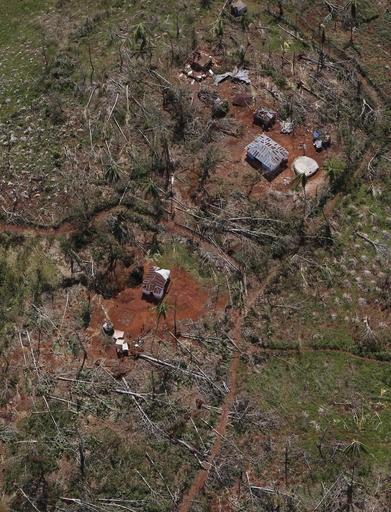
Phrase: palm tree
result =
(140, 34)
(151, 190)
(112, 174)
(161, 309)
(335, 168)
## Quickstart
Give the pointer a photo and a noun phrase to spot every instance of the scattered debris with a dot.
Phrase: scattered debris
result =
(155, 283)
(238, 8)
(190, 73)
(236, 75)
(303, 165)
(242, 100)
(198, 66)
(286, 127)
(266, 151)
(264, 117)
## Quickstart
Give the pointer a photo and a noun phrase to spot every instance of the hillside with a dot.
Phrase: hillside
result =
(140, 135)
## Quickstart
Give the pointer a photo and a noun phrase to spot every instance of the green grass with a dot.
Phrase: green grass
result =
(176, 255)
(312, 393)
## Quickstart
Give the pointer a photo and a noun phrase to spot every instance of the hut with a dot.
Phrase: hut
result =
(264, 117)
(267, 152)
(155, 283)
(303, 165)
(238, 8)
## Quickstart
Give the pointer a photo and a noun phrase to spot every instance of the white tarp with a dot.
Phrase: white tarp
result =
(305, 165)
(163, 272)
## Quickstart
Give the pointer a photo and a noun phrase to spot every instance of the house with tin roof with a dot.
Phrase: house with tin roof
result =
(155, 283)
(267, 152)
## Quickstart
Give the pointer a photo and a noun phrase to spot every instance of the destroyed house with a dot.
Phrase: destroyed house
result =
(155, 283)
(264, 117)
(238, 8)
(267, 152)
(201, 62)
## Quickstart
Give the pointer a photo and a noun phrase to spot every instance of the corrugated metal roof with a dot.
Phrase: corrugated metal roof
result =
(267, 151)
(154, 281)
(236, 75)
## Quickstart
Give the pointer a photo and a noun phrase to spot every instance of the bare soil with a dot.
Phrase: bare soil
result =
(130, 313)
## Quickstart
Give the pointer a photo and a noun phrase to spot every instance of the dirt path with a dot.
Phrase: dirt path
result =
(203, 473)
(25, 230)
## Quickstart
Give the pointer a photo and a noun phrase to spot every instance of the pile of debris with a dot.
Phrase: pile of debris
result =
(199, 66)
(286, 127)
(264, 117)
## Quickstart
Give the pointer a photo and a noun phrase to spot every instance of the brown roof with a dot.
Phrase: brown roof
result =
(154, 282)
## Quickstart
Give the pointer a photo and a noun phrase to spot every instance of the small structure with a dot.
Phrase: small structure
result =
(303, 165)
(267, 152)
(155, 283)
(238, 8)
(264, 117)
(198, 66)
(242, 100)
(321, 140)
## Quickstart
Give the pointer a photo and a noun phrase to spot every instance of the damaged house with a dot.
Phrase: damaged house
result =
(267, 152)
(155, 283)
(264, 117)
(199, 66)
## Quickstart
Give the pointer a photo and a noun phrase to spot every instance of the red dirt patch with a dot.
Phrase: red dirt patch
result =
(135, 316)
(235, 168)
